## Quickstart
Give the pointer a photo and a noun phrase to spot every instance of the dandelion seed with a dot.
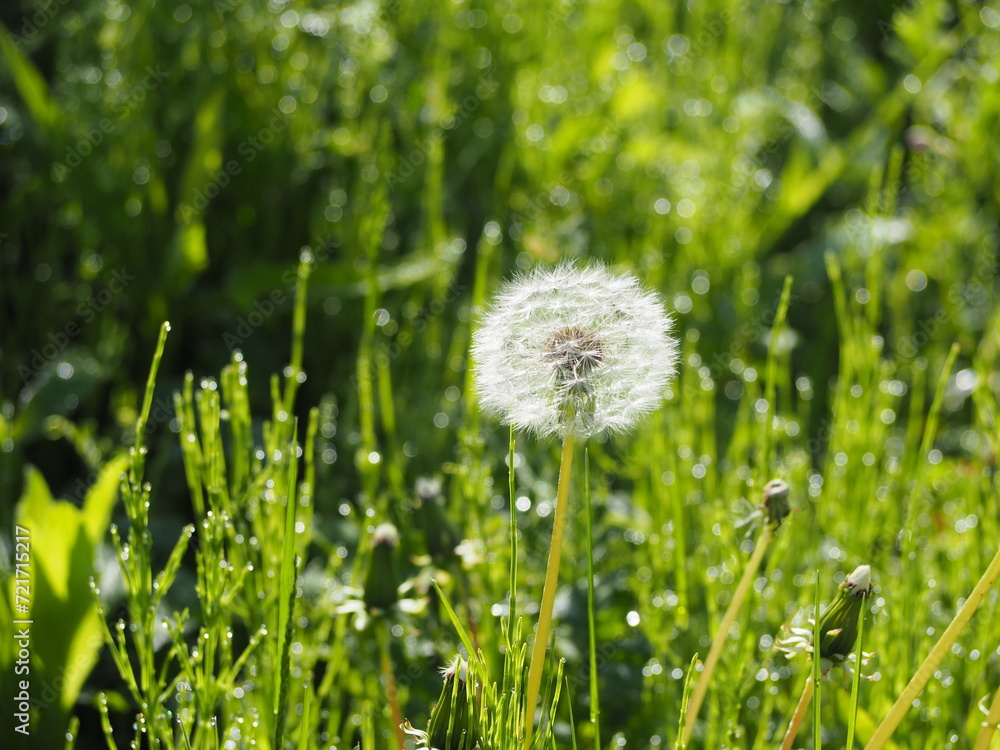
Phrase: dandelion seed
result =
(574, 349)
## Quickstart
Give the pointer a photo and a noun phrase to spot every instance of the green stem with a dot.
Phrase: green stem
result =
(513, 530)
(859, 654)
(390, 686)
(549, 589)
(701, 688)
(941, 648)
(595, 702)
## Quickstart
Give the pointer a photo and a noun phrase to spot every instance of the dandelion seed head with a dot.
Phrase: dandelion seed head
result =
(573, 348)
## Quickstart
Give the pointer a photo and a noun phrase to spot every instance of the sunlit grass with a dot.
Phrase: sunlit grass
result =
(812, 188)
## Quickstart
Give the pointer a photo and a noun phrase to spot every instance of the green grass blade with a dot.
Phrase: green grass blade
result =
(463, 634)
(817, 675)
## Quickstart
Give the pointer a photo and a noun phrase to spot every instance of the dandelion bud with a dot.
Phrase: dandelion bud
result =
(776, 501)
(838, 627)
(573, 350)
(427, 489)
(440, 535)
(450, 719)
(381, 582)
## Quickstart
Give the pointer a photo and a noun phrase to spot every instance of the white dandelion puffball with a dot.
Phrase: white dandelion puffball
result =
(573, 348)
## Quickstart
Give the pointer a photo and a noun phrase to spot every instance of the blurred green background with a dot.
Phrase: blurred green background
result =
(173, 161)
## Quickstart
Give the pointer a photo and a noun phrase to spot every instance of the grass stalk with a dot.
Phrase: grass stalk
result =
(549, 588)
(892, 719)
(705, 678)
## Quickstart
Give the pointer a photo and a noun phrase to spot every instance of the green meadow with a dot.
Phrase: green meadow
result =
(249, 499)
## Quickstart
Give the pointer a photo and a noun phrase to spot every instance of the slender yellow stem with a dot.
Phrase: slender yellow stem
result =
(390, 688)
(701, 688)
(990, 725)
(549, 589)
(799, 715)
(925, 670)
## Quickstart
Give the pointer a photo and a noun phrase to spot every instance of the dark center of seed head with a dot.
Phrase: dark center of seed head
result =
(574, 353)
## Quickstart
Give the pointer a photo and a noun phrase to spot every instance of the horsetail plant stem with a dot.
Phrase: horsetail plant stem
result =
(892, 719)
(776, 508)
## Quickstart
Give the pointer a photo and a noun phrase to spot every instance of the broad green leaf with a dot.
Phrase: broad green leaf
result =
(101, 498)
(65, 632)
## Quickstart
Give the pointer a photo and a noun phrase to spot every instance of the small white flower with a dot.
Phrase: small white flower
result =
(573, 348)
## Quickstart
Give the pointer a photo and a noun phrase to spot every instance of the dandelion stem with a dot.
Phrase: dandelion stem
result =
(925, 670)
(701, 687)
(513, 527)
(799, 715)
(390, 687)
(990, 725)
(549, 588)
(595, 704)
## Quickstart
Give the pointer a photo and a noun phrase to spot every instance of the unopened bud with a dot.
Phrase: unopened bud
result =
(776, 501)
(450, 719)
(838, 627)
(381, 582)
(440, 535)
